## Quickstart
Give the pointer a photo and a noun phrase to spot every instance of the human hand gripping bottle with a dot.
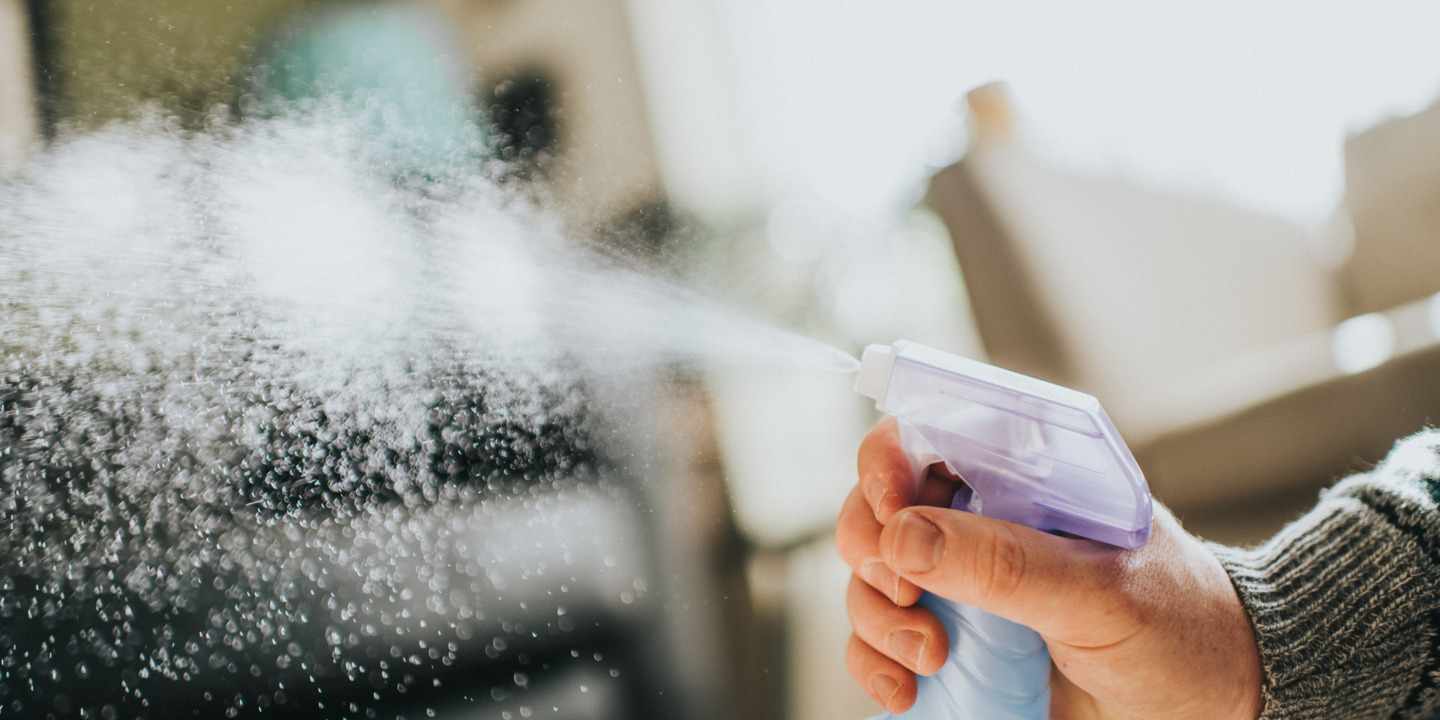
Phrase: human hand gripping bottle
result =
(1029, 452)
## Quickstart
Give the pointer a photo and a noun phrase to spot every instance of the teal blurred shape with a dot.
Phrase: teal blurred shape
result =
(392, 70)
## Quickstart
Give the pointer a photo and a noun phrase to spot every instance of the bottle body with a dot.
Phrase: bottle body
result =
(1028, 452)
(997, 669)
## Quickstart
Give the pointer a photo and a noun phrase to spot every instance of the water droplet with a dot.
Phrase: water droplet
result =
(229, 398)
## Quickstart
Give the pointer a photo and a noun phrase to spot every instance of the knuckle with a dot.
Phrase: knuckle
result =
(857, 605)
(845, 547)
(854, 592)
(850, 535)
(858, 656)
(857, 534)
(854, 551)
(999, 566)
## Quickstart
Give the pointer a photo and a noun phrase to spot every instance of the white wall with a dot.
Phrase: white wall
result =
(847, 100)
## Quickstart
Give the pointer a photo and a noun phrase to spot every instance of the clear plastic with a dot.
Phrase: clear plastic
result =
(1030, 452)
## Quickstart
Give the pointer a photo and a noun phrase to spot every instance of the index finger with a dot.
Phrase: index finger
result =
(886, 479)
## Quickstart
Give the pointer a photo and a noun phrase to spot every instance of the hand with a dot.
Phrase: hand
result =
(1154, 632)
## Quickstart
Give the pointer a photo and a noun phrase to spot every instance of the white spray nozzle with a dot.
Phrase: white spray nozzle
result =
(875, 367)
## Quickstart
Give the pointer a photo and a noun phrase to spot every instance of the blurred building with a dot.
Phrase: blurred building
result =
(1247, 361)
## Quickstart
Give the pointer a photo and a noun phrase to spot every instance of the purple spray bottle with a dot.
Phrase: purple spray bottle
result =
(1029, 452)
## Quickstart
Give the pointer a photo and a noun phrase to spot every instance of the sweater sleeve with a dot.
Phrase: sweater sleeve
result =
(1346, 600)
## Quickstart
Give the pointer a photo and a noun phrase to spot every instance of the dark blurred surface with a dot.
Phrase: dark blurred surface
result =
(511, 567)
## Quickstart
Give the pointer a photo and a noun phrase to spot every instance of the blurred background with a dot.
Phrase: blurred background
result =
(1222, 220)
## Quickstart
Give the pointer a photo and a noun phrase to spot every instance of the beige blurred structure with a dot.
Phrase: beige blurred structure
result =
(19, 121)
(606, 165)
(1392, 197)
(1216, 337)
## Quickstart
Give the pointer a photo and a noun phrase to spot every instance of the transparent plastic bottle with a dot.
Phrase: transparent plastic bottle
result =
(1029, 452)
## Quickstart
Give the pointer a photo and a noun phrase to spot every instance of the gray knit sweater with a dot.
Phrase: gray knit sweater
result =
(1346, 600)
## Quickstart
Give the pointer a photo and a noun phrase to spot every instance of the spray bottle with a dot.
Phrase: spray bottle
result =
(1029, 452)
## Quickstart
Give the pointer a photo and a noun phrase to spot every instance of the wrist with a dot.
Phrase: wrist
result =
(1336, 630)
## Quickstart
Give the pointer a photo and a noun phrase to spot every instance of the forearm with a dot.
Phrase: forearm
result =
(1345, 601)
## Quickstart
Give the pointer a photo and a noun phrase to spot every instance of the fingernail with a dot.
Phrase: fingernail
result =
(908, 646)
(884, 688)
(918, 545)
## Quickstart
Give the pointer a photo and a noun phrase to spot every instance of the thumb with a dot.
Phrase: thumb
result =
(1053, 584)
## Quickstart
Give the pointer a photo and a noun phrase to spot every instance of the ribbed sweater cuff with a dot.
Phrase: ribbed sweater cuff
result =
(1342, 605)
